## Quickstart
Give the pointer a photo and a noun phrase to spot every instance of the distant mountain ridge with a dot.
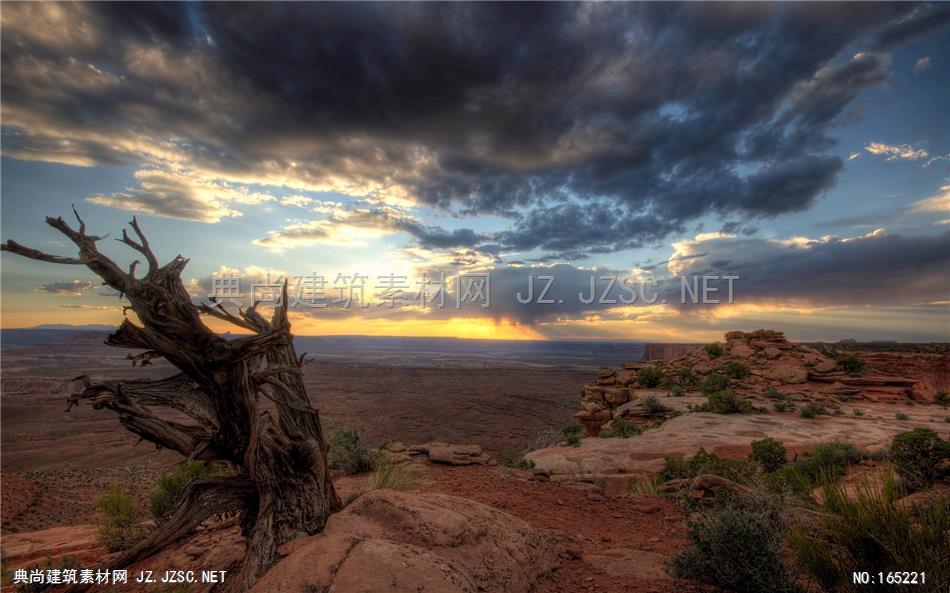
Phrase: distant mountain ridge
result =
(67, 326)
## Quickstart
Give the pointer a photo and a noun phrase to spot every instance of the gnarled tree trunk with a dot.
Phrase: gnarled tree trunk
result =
(282, 485)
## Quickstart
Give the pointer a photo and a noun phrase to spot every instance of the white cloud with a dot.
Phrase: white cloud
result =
(921, 65)
(296, 200)
(182, 195)
(896, 151)
(938, 203)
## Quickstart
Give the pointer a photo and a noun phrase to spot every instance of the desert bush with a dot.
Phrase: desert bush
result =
(712, 383)
(769, 454)
(389, 475)
(677, 390)
(572, 434)
(514, 463)
(686, 377)
(773, 393)
(783, 406)
(917, 455)
(813, 409)
(121, 526)
(654, 407)
(826, 461)
(677, 467)
(867, 527)
(738, 549)
(713, 350)
(857, 412)
(171, 485)
(901, 416)
(734, 370)
(852, 364)
(727, 402)
(942, 398)
(348, 454)
(649, 376)
(621, 428)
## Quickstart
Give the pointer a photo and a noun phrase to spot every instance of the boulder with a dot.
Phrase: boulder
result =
(395, 542)
(772, 353)
(452, 454)
(825, 366)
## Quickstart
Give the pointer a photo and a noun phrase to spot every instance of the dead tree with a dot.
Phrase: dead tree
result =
(281, 485)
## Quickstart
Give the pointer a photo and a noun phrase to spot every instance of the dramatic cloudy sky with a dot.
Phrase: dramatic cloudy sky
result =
(804, 148)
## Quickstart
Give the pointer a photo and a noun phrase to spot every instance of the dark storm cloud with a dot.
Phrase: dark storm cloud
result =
(924, 19)
(876, 270)
(594, 127)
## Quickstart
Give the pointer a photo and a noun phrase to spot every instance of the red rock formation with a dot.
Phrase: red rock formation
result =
(800, 372)
(931, 371)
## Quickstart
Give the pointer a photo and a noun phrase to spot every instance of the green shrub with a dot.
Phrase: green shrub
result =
(827, 459)
(942, 398)
(857, 412)
(775, 394)
(727, 402)
(713, 350)
(171, 485)
(649, 376)
(901, 416)
(712, 383)
(737, 549)
(825, 462)
(621, 428)
(653, 406)
(121, 527)
(572, 434)
(867, 527)
(917, 456)
(521, 463)
(783, 406)
(686, 377)
(677, 467)
(769, 454)
(677, 390)
(852, 364)
(348, 454)
(813, 409)
(734, 370)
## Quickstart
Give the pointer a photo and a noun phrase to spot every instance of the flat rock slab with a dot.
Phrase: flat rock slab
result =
(726, 434)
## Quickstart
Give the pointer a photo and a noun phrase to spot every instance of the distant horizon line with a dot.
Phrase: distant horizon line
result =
(104, 327)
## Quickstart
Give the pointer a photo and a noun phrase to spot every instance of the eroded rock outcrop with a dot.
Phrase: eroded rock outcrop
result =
(395, 542)
(800, 372)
